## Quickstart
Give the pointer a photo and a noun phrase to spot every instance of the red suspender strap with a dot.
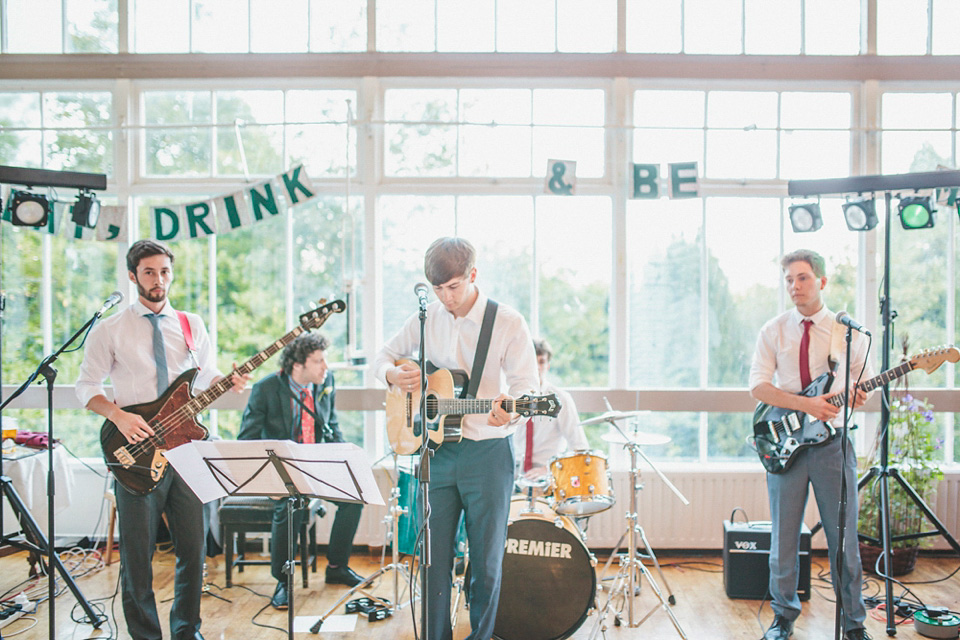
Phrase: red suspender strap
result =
(187, 335)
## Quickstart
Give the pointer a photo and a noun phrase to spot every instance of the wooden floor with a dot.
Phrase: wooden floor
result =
(702, 608)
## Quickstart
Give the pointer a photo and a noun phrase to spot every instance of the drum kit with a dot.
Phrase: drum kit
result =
(549, 583)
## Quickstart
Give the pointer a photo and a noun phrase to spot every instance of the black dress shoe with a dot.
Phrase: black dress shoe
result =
(781, 629)
(856, 634)
(343, 575)
(280, 599)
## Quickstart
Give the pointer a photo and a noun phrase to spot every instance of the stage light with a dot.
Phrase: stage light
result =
(28, 209)
(861, 215)
(86, 210)
(916, 213)
(805, 217)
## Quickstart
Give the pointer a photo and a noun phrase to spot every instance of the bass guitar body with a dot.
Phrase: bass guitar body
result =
(140, 466)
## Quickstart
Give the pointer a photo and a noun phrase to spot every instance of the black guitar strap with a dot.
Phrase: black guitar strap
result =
(483, 345)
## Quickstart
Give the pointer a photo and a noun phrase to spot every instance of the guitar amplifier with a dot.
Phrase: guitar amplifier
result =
(746, 555)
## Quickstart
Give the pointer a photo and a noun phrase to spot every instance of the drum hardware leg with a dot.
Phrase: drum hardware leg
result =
(626, 584)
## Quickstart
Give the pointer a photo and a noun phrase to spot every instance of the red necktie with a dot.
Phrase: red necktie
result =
(306, 419)
(805, 354)
(528, 452)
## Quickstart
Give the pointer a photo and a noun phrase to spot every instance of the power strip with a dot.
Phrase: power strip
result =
(10, 614)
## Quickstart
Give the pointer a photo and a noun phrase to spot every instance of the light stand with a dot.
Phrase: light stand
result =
(33, 534)
(884, 471)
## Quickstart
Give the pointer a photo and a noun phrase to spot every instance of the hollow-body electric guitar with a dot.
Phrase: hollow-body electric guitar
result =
(140, 466)
(780, 434)
(445, 410)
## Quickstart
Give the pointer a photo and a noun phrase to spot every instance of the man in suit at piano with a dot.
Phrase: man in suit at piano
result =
(297, 403)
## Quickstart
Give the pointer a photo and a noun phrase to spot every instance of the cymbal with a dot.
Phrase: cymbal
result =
(636, 437)
(612, 416)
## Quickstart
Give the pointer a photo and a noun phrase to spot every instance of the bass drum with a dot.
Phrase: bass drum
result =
(549, 582)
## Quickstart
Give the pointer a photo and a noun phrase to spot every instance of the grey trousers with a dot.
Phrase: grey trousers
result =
(819, 467)
(476, 478)
(139, 518)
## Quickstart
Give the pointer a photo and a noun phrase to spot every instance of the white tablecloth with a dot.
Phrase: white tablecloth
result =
(27, 470)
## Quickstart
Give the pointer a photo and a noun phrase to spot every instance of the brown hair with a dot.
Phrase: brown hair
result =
(542, 348)
(448, 258)
(144, 249)
(814, 259)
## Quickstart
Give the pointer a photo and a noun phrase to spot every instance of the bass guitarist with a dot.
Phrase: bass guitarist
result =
(793, 349)
(474, 475)
(142, 350)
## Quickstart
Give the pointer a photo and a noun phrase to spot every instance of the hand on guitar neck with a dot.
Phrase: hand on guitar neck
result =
(406, 378)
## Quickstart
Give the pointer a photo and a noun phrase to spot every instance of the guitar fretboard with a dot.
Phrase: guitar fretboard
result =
(312, 321)
(462, 406)
(873, 383)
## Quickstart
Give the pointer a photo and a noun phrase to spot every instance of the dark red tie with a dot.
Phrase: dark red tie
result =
(306, 419)
(805, 354)
(528, 453)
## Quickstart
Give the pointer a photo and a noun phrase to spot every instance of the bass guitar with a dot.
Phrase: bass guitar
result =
(780, 434)
(445, 410)
(140, 466)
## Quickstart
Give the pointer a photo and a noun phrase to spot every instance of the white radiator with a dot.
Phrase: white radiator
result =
(713, 494)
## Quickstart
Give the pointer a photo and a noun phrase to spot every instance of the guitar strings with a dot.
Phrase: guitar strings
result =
(183, 414)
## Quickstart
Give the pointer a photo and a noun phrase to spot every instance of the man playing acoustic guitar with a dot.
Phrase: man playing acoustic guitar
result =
(142, 350)
(475, 474)
(789, 343)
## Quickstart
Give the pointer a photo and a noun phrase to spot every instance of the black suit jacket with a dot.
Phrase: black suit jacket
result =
(269, 412)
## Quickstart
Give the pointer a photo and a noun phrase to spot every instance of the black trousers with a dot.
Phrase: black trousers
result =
(341, 535)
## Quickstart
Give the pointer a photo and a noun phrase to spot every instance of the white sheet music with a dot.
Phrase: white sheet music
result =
(216, 469)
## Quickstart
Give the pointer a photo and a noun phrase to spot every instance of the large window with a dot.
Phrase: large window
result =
(637, 296)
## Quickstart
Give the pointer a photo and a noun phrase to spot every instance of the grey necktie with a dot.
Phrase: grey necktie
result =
(159, 354)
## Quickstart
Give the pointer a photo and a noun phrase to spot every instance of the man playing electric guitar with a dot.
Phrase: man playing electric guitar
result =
(474, 475)
(794, 348)
(142, 350)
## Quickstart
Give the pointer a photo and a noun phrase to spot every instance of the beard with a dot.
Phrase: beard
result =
(152, 296)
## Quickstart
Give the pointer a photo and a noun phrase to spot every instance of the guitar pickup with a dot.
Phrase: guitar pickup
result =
(792, 422)
(124, 458)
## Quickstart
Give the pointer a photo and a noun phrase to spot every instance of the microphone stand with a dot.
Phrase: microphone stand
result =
(842, 522)
(423, 473)
(33, 530)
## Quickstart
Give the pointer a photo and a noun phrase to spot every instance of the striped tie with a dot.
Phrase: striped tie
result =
(159, 354)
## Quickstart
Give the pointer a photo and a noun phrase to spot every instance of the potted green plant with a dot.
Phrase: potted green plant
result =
(915, 440)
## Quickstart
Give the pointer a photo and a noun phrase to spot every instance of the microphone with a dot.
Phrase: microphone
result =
(110, 302)
(844, 318)
(421, 290)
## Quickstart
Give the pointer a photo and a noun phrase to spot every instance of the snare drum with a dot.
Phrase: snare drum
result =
(582, 485)
(549, 583)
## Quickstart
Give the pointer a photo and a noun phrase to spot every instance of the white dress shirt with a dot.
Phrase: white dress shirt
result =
(451, 343)
(551, 435)
(777, 356)
(121, 348)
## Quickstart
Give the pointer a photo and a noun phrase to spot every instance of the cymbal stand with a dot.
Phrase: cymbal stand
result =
(626, 584)
(399, 569)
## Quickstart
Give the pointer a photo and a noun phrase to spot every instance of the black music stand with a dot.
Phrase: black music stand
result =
(279, 469)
